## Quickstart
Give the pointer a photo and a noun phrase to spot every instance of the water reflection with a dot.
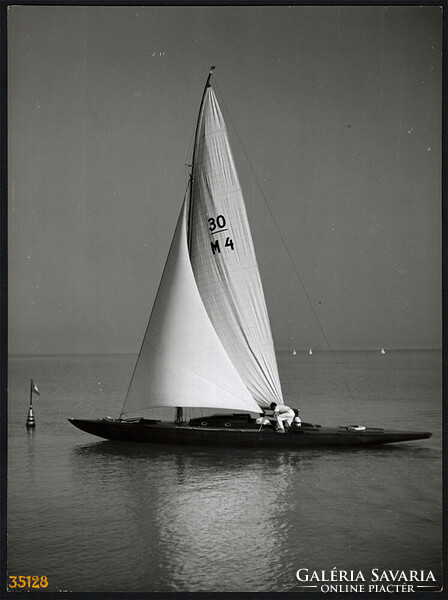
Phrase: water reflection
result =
(29, 464)
(131, 450)
(191, 517)
(195, 507)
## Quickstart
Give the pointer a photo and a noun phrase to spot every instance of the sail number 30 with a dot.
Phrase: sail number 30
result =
(218, 225)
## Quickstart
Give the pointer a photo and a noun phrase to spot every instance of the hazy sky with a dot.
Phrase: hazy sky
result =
(338, 110)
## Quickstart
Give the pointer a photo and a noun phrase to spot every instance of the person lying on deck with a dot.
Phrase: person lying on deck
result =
(263, 420)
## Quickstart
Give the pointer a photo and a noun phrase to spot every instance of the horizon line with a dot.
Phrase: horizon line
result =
(298, 350)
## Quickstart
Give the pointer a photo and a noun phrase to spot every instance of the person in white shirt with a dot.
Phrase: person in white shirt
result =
(297, 420)
(282, 413)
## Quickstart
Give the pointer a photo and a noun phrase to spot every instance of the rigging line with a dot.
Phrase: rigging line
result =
(288, 253)
(189, 156)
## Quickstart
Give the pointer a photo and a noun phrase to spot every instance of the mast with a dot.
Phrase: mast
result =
(179, 419)
(207, 85)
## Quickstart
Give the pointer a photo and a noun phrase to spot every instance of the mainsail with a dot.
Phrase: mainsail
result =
(208, 343)
(224, 261)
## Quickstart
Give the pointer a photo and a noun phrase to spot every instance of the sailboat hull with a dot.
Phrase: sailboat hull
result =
(144, 431)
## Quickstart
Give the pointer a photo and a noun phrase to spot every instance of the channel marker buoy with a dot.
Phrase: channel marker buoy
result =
(30, 420)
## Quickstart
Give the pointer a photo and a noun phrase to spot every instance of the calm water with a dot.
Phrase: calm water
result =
(93, 515)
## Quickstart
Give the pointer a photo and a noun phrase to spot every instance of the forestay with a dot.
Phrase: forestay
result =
(224, 261)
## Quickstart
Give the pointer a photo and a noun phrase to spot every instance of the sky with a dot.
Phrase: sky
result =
(334, 116)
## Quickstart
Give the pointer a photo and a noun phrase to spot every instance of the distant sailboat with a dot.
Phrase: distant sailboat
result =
(310, 351)
(383, 351)
(208, 344)
(294, 352)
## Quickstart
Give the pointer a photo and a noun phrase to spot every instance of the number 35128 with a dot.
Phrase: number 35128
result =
(27, 581)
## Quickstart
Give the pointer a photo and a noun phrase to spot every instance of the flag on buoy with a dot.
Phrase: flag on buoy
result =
(34, 388)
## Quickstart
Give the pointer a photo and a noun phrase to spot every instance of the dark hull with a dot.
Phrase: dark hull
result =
(167, 433)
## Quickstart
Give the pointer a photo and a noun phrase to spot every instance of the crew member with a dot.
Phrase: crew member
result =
(297, 420)
(282, 413)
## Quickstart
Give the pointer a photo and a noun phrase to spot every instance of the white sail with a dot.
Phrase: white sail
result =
(182, 361)
(224, 261)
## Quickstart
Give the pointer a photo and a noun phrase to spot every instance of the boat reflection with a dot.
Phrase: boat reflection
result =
(194, 506)
(192, 516)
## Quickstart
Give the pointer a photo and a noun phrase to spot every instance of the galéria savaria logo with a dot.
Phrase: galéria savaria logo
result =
(376, 580)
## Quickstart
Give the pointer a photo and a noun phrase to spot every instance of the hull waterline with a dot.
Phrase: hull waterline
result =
(143, 431)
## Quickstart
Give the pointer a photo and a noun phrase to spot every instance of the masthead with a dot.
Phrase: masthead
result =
(212, 68)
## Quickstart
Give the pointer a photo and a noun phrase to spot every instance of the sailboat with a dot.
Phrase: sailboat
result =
(208, 345)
